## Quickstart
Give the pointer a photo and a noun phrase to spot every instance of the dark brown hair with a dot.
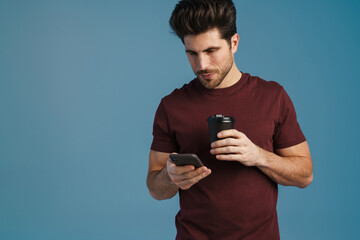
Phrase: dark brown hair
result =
(192, 17)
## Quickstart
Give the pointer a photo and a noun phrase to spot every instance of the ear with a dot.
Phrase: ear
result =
(234, 43)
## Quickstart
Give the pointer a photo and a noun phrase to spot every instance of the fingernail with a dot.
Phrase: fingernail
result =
(219, 134)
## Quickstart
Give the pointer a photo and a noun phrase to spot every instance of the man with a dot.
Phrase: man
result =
(234, 195)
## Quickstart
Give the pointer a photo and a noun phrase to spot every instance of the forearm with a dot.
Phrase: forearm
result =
(287, 171)
(160, 185)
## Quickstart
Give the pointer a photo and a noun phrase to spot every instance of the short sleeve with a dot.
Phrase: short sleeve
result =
(287, 130)
(163, 139)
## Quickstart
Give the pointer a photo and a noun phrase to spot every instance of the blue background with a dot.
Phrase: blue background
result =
(80, 82)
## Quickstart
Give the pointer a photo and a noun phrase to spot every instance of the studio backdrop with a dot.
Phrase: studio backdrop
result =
(80, 82)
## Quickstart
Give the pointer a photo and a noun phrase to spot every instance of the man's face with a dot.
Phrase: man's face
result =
(211, 57)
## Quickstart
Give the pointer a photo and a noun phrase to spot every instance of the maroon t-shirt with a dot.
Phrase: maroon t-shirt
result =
(234, 201)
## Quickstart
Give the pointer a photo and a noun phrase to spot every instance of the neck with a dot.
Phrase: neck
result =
(231, 78)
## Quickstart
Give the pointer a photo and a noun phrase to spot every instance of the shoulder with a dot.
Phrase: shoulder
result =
(179, 94)
(261, 86)
(262, 83)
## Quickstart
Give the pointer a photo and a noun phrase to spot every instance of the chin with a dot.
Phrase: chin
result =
(210, 84)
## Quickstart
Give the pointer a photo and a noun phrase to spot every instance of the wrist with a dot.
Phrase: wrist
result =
(263, 158)
(166, 175)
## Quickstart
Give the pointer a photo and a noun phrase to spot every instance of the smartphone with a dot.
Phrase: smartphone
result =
(183, 159)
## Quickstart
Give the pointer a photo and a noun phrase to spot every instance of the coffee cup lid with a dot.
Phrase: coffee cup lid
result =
(221, 118)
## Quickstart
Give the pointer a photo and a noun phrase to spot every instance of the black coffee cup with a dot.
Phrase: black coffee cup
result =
(218, 123)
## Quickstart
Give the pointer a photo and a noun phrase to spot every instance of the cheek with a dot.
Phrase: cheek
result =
(225, 59)
(219, 59)
(192, 62)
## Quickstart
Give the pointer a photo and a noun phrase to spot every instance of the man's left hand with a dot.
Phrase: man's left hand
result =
(236, 146)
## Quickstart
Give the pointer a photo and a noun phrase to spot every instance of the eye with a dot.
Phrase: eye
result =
(211, 50)
(191, 53)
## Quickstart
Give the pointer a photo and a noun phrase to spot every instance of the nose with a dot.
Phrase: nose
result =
(202, 62)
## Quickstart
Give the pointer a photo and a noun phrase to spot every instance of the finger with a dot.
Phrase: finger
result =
(225, 150)
(226, 142)
(186, 184)
(230, 133)
(178, 169)
(195, 173)
(235, 157)
(189, 175)
(228, 157)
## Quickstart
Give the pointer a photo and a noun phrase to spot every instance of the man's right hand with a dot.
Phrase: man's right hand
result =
(186, 176)
(165, 178)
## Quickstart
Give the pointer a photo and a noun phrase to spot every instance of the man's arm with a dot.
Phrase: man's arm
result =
(165, 178)
(158, 181)
(291, 167)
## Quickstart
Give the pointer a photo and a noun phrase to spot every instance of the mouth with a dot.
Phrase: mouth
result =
(207, 76)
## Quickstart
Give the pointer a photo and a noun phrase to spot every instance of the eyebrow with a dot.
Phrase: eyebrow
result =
(205, 50)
